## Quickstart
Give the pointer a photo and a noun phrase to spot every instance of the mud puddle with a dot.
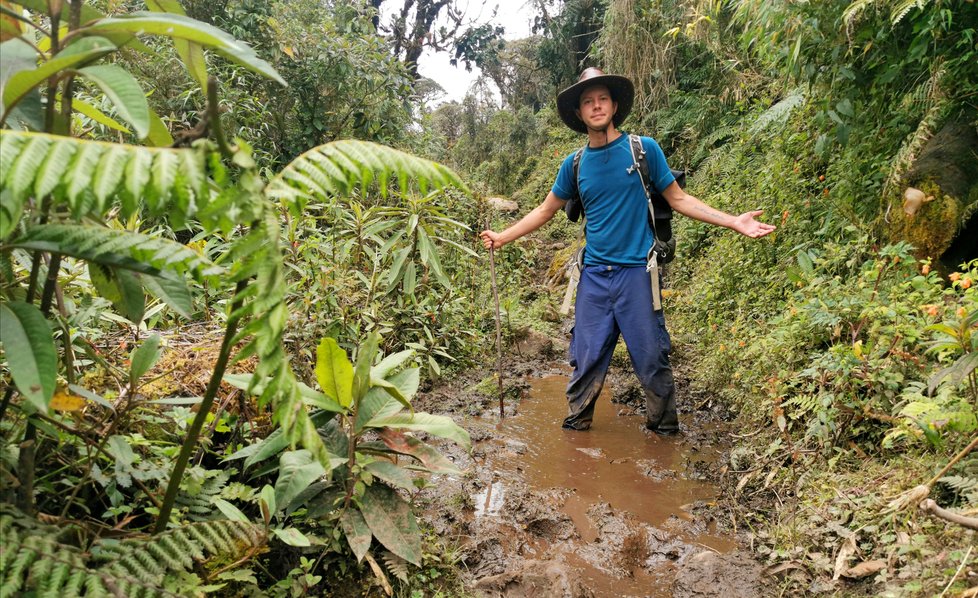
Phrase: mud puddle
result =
(605, 512)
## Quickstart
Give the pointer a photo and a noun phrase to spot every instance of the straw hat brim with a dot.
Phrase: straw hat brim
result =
(622, 91)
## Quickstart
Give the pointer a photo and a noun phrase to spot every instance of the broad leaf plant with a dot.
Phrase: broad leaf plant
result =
(75, 207)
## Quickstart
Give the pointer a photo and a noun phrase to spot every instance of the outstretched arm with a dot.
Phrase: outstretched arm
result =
(686, 204)
(537, 217)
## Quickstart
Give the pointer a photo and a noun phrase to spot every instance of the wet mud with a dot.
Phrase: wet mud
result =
(614, 511)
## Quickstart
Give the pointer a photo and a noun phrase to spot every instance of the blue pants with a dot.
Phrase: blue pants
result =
(613, 300)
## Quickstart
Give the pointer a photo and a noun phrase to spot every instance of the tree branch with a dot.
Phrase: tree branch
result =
(930, 506)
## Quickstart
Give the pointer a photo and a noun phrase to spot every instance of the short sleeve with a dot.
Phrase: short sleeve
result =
(658, 168)
(565, 185)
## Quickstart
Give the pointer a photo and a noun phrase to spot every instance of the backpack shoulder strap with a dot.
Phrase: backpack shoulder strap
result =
(639, 162)
(575, 204)
(577, 169)
(659, 208)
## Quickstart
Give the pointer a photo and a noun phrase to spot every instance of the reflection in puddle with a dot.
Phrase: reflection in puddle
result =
(490, 501)
(616, 461)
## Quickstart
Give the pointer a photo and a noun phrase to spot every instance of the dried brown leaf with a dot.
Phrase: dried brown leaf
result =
(864, 569)
(379, 574)
(776, 569)
(847, 549)
(743, 481)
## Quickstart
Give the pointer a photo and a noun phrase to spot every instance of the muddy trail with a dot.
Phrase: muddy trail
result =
(612, 512)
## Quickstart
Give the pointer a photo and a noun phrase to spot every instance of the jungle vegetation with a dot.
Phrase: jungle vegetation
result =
(265, 195)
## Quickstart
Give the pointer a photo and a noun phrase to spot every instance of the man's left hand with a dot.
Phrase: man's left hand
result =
(746, 225)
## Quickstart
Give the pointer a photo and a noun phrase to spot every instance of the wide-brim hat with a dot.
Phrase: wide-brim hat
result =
(568, 101)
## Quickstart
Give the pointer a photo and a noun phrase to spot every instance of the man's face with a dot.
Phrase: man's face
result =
(596, 108)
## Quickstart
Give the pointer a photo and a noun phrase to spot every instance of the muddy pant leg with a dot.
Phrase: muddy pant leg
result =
(592, 345)
(649, 346)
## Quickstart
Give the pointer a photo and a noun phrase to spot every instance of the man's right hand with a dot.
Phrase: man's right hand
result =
(491, 239)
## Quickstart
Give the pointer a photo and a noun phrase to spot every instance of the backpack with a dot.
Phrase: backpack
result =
(660, 212)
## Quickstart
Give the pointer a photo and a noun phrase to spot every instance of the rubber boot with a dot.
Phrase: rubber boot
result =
(660, 407)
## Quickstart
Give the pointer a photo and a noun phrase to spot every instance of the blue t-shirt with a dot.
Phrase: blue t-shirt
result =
(617, 212)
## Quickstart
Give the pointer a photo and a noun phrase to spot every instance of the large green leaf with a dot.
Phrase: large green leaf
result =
(89, 14)
(335, 437)
(90, 111)
(190, 53)
(296, 471)
(436, 425)
(391, 521)
(310, 396)
(957, 372)
(78, 177)
(356, 531)
(118, 249)
(29, 349)
(178, 26)
(230, 511)
(10, 210)
(365, 359)
(392, 390)
(144, 357)
(292, 537)
(392, 474)
(175, 293)
(275, 442)
(27, 162)
(334, 372)
(20, 56)
(159, 134)
(402, 386)
(120, 287)
(82, 171)
(405, 444)
(337, 167)
(378, 402)
(391, 363)
(80, 52)
(124, 92)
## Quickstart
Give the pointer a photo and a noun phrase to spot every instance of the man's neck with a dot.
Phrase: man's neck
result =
(596, 139)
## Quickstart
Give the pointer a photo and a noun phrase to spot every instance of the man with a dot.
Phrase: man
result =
(614, 295)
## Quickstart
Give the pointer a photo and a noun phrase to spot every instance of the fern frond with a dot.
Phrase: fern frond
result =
(338, 167)
(855, 9)
(93, 174)
(31, 156)
(264, 309)
(965, 486)
(49, 175)
(78, 176)
(35, 560)
(108, 175)
(10, 149)
(903, 7)
(199, 505)
(118, 248)
(778, 113)
(397, 566)
(705, 146)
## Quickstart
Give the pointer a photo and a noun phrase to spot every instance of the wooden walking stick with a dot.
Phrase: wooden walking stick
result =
(499, 331)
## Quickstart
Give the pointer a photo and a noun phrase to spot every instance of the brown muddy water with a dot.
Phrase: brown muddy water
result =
(644, 479)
